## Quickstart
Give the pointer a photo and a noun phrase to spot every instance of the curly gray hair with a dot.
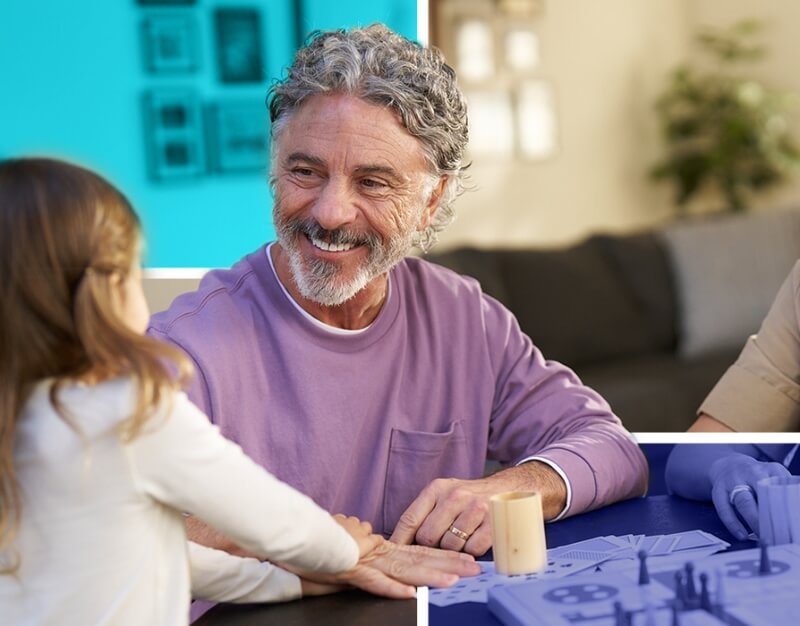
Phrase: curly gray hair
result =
(382, 67)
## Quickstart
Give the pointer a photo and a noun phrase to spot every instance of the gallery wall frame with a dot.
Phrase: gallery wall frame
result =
(173, 134)
(236, 132)
(494, 47)
(169, 44)
(239, 47)
(165, 3)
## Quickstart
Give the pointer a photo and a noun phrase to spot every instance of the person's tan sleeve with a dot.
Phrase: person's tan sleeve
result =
(761, 390)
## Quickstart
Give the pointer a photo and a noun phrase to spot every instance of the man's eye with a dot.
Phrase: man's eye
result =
(302, 171)
(371, 183)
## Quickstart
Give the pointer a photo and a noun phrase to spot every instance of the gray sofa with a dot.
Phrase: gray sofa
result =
(650, 320)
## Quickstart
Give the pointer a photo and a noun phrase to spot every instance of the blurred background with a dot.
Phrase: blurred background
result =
(634, 201)
(165, 98)
(589, 74)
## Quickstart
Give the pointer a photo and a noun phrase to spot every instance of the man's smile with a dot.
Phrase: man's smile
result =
(330, 247)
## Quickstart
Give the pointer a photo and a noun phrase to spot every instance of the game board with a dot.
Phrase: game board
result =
(743, 588)
(611, 553)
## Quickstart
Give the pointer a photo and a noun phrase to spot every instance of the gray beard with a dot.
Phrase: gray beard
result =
(319, 280)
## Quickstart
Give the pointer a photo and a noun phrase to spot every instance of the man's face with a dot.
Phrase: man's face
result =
(351, 189)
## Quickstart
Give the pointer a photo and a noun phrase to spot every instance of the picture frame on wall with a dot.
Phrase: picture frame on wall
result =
(173, 134)
(170, 44)
(237, 136)
(165, 3)
(239, 47)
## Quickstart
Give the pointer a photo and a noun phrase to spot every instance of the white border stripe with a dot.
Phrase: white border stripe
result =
(717, 437)
(175, 272)
(423, 28)
(422, 606)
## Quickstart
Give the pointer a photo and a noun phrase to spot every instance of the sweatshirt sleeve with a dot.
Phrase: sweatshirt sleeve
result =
(181, 460)
(541, 409)
(761, 390)
(223, 577)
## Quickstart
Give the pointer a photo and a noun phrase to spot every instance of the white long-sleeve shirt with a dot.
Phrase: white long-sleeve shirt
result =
(102, 538)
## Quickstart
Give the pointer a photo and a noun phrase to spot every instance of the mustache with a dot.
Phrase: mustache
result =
(312, 229)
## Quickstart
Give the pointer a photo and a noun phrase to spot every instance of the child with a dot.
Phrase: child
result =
(99, 451)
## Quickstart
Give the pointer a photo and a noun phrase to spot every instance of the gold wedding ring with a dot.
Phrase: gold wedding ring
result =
(737, 490)
(459, 533)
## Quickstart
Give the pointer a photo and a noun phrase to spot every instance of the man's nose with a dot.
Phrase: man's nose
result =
(334, 207)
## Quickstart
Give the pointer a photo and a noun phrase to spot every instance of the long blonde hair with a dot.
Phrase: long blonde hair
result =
(67, 239)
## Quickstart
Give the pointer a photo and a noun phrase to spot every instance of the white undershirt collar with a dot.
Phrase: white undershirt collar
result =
(333, 330)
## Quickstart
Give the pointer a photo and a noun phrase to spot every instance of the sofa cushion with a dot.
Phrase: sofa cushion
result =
(483, 265)
(642, 263)
(605, 298)
(657, 392)
(728, 270)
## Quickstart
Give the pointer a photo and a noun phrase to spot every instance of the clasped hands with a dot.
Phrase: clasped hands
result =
(734, 479)
(393, 568)
(390, 569)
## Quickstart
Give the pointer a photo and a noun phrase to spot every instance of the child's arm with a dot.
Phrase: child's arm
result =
(183, 462)
(222, 577)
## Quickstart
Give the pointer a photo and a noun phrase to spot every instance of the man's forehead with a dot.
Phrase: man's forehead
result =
(349, 126)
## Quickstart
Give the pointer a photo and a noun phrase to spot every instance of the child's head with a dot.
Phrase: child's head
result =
(71, 301)
(68, 240)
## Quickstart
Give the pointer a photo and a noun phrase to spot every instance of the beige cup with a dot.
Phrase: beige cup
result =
(518, 532)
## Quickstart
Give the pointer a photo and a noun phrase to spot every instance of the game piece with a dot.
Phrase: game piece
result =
(644, 576)
(680, 590)
(620, 618)
(676, 616)
(720, 592)
(705, 598)
(691, 592)
(763, 565)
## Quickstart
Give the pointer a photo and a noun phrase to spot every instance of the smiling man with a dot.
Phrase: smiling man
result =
(375, 382)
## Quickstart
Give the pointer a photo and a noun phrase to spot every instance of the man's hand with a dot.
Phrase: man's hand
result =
(394, 571)
(447, 505)
(733, 487)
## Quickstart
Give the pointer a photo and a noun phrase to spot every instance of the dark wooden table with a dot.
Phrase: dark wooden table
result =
(349, 608)
(655, 515)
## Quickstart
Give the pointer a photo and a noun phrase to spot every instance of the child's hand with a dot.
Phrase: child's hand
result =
(367, 541)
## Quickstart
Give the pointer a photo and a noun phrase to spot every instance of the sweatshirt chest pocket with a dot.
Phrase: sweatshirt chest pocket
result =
(415, 459)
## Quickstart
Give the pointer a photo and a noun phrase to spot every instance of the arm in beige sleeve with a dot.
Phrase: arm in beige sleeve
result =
(706, 423)
(761, 390)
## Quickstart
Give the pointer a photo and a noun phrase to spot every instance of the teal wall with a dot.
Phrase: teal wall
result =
(71, 82)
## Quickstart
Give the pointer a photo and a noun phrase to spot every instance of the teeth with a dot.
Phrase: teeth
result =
(329, 247)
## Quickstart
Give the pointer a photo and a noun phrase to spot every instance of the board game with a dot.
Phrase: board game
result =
(610, 553)
(757, 587)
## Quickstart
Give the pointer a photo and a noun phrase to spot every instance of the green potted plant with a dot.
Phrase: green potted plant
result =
(722, 129)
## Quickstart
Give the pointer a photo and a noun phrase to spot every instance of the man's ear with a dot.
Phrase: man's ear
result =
(433, 204)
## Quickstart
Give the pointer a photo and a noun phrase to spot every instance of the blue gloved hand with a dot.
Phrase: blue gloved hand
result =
(733, 489)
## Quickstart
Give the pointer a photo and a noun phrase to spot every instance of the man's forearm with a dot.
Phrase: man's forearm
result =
(536, 476)
(602, 461)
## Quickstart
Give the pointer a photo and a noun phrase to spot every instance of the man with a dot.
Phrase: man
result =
(376, 383)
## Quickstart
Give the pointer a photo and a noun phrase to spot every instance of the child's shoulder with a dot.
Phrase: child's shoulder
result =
(91, 410)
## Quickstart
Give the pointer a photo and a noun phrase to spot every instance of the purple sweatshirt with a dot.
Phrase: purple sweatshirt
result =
(441, 381)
